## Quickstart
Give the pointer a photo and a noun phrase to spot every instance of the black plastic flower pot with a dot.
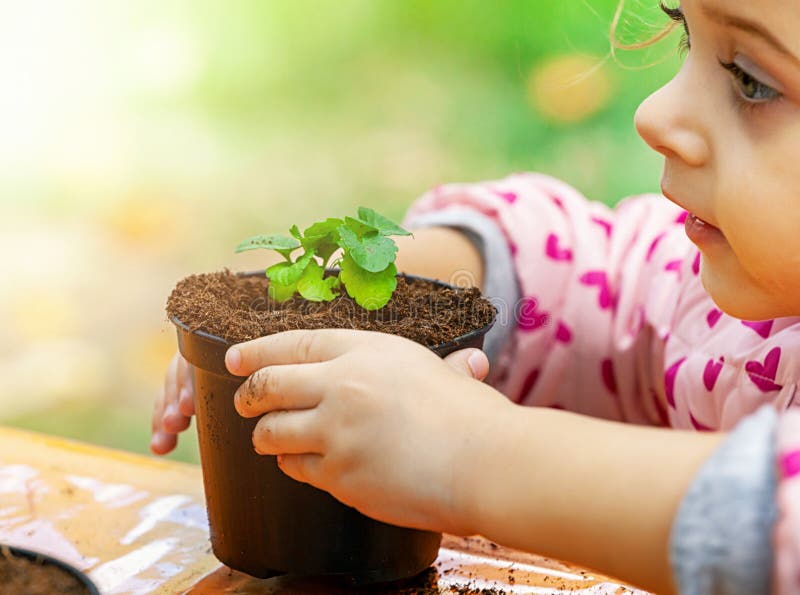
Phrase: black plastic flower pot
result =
(41, 559)
(264, 523)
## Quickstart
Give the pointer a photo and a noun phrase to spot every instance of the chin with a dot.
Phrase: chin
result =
(739, 299)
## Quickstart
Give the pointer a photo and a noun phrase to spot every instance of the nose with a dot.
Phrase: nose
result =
(670, 121)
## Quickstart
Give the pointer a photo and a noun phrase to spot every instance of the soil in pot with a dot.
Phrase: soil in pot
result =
(32, 576)
(236, 308)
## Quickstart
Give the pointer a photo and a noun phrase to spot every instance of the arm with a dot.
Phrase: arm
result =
(440, 253)
(386, 427)
(440, 451)
(599, 493)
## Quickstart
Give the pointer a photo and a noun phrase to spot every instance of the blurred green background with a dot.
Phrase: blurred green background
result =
(141, 140)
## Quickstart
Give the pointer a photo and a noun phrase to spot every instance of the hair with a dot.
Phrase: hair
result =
(617, 45)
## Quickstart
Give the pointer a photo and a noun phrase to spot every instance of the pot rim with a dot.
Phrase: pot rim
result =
(453, 342)
(34, 555)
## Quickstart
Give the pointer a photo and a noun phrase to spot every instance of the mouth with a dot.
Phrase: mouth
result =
(699, 231)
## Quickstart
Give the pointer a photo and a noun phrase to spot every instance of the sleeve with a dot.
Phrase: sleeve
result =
(786, 578)
(499, 283)
(720, 540)
(584, 292)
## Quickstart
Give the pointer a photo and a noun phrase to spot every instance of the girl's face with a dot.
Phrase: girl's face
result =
(728, 126)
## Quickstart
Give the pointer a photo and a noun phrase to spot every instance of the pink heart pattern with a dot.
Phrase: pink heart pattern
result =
(509, 197)
(681, 219)
(669, 380)
(762, 327)
(763, 374)
(554, 251)
(713, 316)
(696, 264)
(606, 225)
(674, 266)
(563, 334)
(529, 318)
(607, 373)
(653, 245)
(711, 373)
(605, 297)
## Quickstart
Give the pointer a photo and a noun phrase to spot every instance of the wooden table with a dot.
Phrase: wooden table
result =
(138, 525)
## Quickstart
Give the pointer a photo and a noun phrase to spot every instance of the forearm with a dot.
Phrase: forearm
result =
(598, 493)
(440, 253)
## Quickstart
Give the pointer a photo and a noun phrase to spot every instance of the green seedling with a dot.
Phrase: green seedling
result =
(366, 262)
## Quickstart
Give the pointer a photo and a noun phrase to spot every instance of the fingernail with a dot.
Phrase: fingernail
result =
(475, 362)
(156, 442)
(233, 359)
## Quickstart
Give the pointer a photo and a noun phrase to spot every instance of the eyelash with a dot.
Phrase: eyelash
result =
(676, 14)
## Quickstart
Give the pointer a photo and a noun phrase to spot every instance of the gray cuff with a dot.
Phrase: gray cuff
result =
(721, 537)
(500, 284)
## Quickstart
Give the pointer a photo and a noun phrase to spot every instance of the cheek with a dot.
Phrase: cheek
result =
(761, 221)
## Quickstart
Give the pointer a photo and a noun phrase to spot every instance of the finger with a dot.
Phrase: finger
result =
(292, 347)
(162, 442)
(172, 420)
(163, 400)
(186, 402)
(186, 388)
(302, 467)
(470, 362)
(277, 388)
(288, 432)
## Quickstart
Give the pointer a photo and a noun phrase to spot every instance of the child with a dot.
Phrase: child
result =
(657, 314)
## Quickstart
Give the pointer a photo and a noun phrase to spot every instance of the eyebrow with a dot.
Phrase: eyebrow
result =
(749, 27)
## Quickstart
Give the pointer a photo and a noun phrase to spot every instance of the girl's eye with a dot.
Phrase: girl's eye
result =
(749, 87)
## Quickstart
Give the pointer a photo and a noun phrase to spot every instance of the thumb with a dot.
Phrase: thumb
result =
(470, 362)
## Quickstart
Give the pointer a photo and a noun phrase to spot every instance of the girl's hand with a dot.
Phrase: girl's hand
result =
(174, 407)
(379, 421)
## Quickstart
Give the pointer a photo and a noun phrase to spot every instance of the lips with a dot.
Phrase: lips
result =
(698, 230)
(701, 232)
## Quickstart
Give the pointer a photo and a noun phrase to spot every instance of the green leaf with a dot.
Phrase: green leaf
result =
(371, 291)
(358, 227)
(385, 226)
(322, 228)
(281, 293)
(314, 287)
(372, 252)
(286, 273)
(295, 231)
(278, 243)
(322, 238)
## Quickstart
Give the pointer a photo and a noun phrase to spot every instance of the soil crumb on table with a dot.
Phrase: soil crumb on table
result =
(237, 308)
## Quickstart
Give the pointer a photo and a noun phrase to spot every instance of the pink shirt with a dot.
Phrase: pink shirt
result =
(614, 322)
